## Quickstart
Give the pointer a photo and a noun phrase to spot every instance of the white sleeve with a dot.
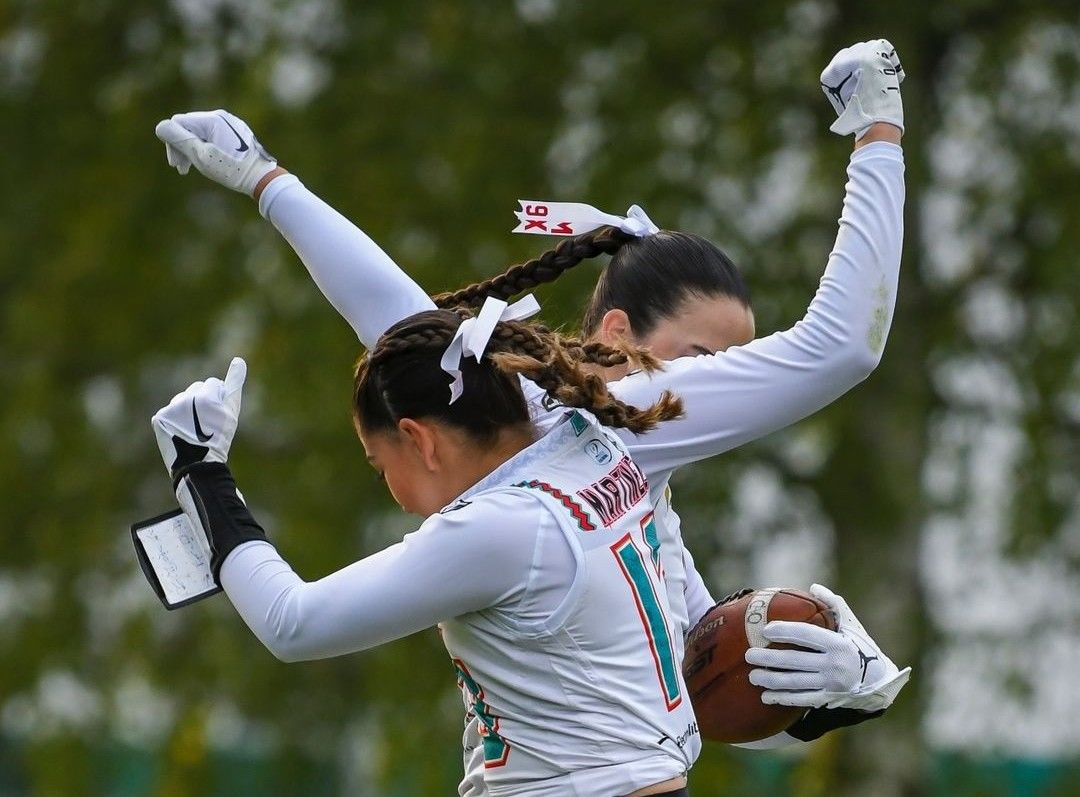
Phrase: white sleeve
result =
(427, 577)
(359, 279)
(698, 598)
(749, 391)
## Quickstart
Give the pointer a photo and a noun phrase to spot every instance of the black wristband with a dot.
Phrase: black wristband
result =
(818, 721)
(226, 519)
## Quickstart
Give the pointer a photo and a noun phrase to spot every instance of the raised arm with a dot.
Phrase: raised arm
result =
(358, 278)
(747, 392)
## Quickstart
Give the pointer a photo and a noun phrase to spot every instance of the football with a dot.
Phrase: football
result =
(728, 706)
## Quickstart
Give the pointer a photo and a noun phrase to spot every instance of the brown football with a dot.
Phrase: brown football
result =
(728, 706)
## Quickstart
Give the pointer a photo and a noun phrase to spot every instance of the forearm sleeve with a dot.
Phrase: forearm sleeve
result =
(357, 277)
(698, 598)
(427, 577)
(749, 391)
(208, 495)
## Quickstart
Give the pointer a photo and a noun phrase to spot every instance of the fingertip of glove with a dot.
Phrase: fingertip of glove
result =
(171, 131)
(237, 373)
(778, 626)
(754, 656)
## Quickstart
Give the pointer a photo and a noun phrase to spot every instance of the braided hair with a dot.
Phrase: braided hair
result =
(545, 268)
(402, 378)
(648, 278)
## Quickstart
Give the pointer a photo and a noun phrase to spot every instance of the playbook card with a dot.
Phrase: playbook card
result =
(174, 558)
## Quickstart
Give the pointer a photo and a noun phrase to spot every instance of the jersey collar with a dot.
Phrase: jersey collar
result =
(563, 435)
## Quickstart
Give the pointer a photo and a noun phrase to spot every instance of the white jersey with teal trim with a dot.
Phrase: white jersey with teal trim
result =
(545, 578)
(587, 699)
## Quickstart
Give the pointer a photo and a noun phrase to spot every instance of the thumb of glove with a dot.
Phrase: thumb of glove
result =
(826, 596)
(234, 378)
(234, 383)
(835, 602)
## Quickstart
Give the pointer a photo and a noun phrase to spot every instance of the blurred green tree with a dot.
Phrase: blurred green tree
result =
(424, 122)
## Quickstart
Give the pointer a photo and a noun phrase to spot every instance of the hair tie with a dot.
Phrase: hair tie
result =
(573, 218)
(473, 335)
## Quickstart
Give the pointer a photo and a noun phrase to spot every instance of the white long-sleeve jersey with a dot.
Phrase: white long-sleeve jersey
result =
(731, 397)
(545, 580)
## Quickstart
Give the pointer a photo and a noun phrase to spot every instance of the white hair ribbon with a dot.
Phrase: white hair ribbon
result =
(573, 218)
(471, 338)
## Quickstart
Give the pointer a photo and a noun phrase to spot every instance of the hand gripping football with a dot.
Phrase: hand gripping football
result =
(728, 706)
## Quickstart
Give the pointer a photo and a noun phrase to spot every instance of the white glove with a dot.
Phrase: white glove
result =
(198, 425)
(840, 669)
(863, 84)
(220, 145)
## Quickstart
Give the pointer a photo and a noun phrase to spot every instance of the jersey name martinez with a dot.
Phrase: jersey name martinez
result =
(615, 493)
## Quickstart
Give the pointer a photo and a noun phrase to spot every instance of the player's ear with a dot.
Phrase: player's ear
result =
(421, 438)
(615, 327)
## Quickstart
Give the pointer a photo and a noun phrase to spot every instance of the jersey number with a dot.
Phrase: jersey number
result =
(496, 750)
(636, 572)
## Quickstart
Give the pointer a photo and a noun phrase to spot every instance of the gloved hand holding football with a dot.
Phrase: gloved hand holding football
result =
(844, 668)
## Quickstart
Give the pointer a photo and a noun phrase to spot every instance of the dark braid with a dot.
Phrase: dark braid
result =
(432, 337)
(545, 268)
(401, 377)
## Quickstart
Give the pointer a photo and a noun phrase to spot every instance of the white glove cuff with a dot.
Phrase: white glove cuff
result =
(876, 697)
(858, 121)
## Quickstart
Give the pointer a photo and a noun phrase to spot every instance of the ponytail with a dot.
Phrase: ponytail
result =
(548, 267)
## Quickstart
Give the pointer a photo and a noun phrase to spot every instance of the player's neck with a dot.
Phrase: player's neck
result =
(476, 462)
(612, 373)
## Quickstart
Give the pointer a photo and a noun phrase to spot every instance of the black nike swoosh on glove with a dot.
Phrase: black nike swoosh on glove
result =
(199, 433)
(243, 145)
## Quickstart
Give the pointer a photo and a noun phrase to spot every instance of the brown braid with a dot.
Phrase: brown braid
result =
(550, 360)
(553, 362)
(545, 268)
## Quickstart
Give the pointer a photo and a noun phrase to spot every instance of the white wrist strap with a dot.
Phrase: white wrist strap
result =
(538, 217)
(471, 338)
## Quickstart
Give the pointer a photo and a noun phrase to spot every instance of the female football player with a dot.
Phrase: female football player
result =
(681, 297)
(556, 622)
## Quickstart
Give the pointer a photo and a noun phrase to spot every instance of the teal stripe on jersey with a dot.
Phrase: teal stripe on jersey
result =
(652, 615)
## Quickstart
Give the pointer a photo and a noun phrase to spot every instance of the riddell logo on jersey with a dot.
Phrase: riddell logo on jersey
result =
(614, 494)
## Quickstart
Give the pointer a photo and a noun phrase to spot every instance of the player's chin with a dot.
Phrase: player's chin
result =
(416, 505)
